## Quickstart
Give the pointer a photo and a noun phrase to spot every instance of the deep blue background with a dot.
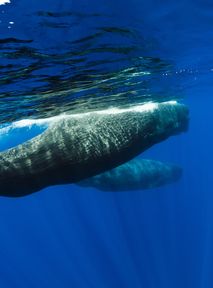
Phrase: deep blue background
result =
(72, 237)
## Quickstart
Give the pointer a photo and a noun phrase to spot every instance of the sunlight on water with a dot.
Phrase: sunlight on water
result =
(108, 64)
(2, 2)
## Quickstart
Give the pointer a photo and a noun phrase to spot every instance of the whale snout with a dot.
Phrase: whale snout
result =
(172, 117)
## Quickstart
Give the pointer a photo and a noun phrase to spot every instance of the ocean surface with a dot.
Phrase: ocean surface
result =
(57, 57)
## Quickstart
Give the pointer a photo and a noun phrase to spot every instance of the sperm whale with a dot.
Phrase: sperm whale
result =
(137, 174)
(82, 145)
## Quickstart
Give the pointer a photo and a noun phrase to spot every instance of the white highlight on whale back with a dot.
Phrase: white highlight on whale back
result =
(147, 107)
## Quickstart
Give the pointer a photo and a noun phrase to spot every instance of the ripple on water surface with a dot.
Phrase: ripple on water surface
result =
(106, 65)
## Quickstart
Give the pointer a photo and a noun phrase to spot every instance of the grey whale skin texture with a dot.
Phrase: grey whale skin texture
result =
(137, 174)
(87, 144)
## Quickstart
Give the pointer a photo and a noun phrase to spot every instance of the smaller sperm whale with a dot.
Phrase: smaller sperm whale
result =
(137, 174)
(83, 145)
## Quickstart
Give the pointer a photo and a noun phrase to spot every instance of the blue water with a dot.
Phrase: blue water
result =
(53, 56)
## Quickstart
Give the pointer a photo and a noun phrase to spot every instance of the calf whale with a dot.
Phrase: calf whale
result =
(82, 145)
(137, 174)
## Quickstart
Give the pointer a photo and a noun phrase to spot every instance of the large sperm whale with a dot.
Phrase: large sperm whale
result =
(82, 145)
(137, 174)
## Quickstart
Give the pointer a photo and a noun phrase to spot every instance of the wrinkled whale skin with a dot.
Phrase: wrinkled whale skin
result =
(137, 174)
(83, 145)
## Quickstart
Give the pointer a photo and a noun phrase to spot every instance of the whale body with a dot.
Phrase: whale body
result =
(137, 174)
(82, 145)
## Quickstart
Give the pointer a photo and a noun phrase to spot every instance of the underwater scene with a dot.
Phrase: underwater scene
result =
(105, 146)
